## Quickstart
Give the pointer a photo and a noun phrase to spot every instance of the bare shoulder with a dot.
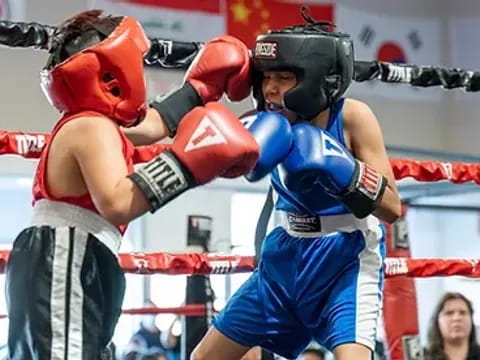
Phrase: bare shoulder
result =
(89, 124)
(94, 131)
(357, 114)
(356, 109)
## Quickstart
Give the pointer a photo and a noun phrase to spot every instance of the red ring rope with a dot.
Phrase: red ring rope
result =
(30, 145)
(204, 264)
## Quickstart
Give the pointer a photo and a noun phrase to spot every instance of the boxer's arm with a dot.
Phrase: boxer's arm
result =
(368, 146)
(97, 148)
(152, 129)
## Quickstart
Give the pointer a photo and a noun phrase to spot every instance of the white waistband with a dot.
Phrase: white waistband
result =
(323, 225)
(61, 214)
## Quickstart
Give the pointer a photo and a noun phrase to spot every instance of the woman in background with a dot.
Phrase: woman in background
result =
(452, 334)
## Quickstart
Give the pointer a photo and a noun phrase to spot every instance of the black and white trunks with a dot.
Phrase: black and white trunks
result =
(64, 285)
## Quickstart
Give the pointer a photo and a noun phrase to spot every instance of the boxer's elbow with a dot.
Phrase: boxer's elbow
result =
(390, 208)
(395, 209)
(114, 211)
(386, 215)
(390, 216)
(124, 203)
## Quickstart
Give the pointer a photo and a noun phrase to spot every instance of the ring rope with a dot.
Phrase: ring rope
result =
(186, 310)
(168, 53)
(30, 145)
(205, 264)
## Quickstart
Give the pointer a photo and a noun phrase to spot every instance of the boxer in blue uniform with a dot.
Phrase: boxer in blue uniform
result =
(320, 273)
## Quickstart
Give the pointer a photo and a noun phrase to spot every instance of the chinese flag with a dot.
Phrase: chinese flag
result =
(248, 18)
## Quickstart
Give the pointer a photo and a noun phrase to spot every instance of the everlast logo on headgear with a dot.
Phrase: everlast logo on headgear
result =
(266, 50)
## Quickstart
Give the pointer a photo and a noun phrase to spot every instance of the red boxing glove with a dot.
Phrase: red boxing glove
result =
(223, 65)
(210, 142)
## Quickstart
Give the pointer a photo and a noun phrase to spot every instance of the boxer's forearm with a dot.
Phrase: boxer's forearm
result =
(151, 130)
(390, 206)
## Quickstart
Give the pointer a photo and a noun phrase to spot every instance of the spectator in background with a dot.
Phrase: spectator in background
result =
(312, 354)
(170, 339)
(146, 341)
(154, 357)
(452, 335)
(138, 356)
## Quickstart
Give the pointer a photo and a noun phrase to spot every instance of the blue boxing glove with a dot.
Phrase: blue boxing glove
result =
(273, 134)
(317, 157)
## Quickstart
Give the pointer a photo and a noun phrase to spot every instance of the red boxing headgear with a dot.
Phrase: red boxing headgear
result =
(106, 77)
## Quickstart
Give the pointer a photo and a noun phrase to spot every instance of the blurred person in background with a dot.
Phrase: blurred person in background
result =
(452, 334)
(171, 340)
(147, 339)
(148, 336)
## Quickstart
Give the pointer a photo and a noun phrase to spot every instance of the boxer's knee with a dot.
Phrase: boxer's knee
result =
(352, 351)
(199, 353)
(216, 346)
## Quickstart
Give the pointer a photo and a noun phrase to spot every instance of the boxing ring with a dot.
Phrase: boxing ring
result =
(400, 268)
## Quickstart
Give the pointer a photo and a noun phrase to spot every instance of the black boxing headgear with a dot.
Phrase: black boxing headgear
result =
(322, 61)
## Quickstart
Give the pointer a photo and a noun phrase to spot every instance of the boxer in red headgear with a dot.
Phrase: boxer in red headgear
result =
(106, 77)
(65, 287)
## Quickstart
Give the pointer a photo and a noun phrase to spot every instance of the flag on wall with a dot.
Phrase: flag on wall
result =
(201, 20)
(248, 18)
(196, 20)
(397, 39)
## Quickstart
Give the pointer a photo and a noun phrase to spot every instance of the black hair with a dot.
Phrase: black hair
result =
(78, 33)
(311, 25)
